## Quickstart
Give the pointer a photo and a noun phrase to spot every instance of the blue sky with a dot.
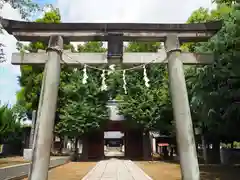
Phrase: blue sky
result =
(9, 73)
(158, 11)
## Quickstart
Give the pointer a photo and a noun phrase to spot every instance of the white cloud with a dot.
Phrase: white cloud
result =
(8, 72)
(132, 11)
(149, 11)
(10, 43)
(46, 8)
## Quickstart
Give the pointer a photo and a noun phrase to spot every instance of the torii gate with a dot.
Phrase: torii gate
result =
(115, 33)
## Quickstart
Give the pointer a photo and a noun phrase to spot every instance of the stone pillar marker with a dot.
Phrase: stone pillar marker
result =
(154, 145)
(27, 153)
(181, 110)
(46, 116)
(32, 129)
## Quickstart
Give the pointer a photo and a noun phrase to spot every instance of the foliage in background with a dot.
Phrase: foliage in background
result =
(214, 89)
(31, 76)
(27, 9)
(10, 128)
(147, 108)
(85, 105)
(75, 113)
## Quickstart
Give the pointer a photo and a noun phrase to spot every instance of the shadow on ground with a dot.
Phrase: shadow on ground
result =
(171, 171)
(219, 172)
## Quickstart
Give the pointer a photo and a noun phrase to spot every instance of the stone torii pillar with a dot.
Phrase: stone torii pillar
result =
(181, 111)
(48, 102)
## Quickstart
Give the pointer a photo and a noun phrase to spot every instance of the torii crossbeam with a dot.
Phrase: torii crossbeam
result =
(115, 33)
(36, 31)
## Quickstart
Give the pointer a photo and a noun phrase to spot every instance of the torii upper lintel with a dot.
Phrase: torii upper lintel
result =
(36, 31)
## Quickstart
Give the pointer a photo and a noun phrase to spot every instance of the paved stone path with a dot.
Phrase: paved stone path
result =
(115, 169)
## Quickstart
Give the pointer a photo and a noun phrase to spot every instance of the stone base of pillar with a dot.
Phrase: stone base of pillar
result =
(225, 156)
(176, 158)
(65, 151)
(27, 154)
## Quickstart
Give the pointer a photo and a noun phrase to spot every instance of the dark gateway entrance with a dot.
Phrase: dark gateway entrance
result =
(114, 144)
(133, 142)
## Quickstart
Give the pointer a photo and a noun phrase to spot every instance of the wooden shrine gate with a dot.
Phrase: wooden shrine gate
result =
(133, 141)
(114, 33)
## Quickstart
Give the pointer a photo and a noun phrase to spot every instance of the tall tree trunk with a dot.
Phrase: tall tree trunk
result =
(165, 152)
(53, 147)
(85, 147)
(216, 151)
(61, 145)
(75, 154)
(76, 145)
(176, 150)
(146, 146)
(204, 148)
(171, 153)
(65, 142)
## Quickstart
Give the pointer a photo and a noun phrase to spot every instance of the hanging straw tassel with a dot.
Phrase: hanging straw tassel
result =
(104, 86)
(124, 82)
(85, 76)
(112, 69)
(145, 77)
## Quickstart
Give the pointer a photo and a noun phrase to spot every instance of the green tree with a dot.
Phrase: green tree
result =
(10, 127)
(147, 108)
(212, 79)
(92, 46)
(31, 76)
(228, 2)
(143, 47)
(214, 89)
(85, 108)
(203, 15)
(26, 7)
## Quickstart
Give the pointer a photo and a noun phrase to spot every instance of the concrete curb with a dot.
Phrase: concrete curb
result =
(21, 171)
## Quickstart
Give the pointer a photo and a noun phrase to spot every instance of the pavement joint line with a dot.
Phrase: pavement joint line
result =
(148, 177)
(90, 172)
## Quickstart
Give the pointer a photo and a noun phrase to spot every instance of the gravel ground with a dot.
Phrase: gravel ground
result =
(70, 171)
(171, 171)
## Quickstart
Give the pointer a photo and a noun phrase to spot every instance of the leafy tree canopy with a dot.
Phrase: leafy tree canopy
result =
(85, 107)
(77, 115)
(27, 8)
(10, 128)
(146, 108)
(215, 95)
